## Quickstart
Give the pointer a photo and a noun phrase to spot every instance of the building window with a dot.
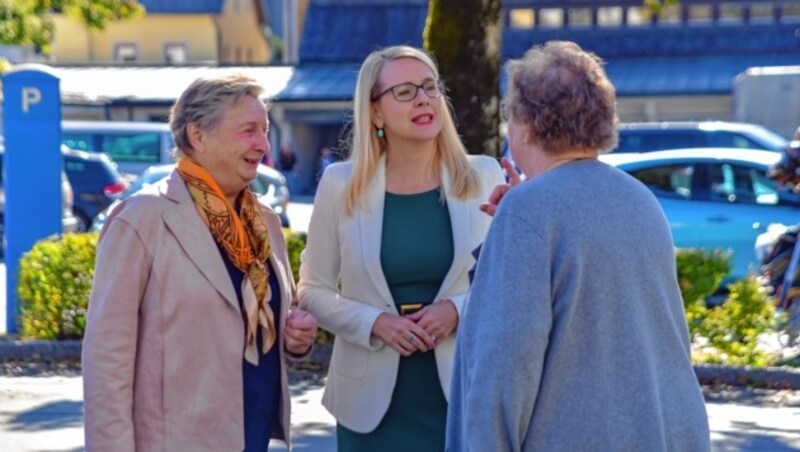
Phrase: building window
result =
(791, 10)
(700, 13)
(579, 16)
(521, 18)
(175, 53)
(637, 15)
(761, 11)
(730, 12)
(670, 15)
(551, 17)
(609, 16)
(126, 52)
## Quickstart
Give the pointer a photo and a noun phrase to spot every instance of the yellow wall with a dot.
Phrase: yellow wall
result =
(73, 44)
(239, 29)
(70, 40)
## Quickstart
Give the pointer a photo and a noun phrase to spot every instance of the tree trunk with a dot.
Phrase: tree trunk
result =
(465, 38)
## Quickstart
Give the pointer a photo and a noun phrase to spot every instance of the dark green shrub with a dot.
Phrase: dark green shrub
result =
(55, 281)
(700, 272)
(295, 244)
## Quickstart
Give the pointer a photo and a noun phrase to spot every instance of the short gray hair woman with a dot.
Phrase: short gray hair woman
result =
(575, 336)
(189, 321)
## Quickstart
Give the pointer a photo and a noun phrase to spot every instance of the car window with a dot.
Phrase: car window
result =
(669, 181)
(88, 172)
(741, 184)
(647, 141)
(725, 139)
(140, 147)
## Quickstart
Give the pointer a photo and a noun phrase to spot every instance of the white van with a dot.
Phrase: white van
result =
(133, 146)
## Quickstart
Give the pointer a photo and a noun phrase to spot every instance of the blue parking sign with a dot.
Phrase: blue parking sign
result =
(32, 167)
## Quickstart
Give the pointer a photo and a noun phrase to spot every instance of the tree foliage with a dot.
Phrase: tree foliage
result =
(465, 38)
(28, 22)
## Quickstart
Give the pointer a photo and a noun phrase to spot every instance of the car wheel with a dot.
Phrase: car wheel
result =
(83, 221)
(284, 220)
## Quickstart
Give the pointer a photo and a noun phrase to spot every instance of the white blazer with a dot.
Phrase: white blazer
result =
(363, 370)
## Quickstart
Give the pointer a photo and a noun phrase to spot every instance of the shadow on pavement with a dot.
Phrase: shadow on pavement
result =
(50, 416)
(736, 441)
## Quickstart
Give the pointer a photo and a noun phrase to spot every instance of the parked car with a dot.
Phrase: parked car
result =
(133, 146)
(657, 136)
(269, 185)
(95, 182)
(715, 197)
(69, 222)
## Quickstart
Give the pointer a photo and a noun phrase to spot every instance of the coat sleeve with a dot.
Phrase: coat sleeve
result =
(318, 291)
(502, 340)
(110, 342)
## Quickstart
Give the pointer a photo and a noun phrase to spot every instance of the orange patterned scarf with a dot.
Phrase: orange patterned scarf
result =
(245, 238)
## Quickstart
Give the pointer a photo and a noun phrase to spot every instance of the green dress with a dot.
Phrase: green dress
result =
(416, 254)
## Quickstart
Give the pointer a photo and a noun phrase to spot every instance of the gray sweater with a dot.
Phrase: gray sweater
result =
(574, 336)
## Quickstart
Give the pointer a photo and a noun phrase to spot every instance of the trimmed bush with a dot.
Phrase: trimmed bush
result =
(295, 244)
(732, 329)
(55, 281)
(700, 273)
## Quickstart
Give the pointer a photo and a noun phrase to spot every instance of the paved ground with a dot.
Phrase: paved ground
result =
(45, 414)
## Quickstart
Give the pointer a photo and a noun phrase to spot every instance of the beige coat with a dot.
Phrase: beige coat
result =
(163, 350)
(363, 369)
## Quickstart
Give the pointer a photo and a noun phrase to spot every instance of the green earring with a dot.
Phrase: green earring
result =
(380, 132)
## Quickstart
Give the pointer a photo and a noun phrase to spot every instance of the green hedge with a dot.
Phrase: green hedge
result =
(55, 283)
(55, 280)
(729, 333)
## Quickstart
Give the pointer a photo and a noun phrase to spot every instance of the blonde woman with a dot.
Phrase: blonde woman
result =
(389, 242)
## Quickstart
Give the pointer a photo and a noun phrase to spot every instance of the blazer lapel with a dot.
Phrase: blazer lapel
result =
(460, 225)
(370, 221)
(194, 237)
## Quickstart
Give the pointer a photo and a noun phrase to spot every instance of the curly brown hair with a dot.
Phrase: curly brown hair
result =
(562, 94)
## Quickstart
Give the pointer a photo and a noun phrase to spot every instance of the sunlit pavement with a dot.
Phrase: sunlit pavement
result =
(45, 414)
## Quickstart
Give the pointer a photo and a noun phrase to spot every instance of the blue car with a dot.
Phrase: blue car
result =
(715, 197)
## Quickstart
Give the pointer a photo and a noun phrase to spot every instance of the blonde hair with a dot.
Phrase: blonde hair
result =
(366, 148)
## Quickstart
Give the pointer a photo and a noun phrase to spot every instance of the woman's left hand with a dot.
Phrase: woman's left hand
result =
(439, 319)
(300, 331)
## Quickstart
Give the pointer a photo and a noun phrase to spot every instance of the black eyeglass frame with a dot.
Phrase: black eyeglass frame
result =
(439, 89)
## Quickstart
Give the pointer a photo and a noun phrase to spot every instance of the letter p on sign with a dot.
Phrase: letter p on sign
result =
(30, 96)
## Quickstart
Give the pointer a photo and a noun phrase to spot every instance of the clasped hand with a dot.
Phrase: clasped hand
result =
(420, 331)
(300, 331)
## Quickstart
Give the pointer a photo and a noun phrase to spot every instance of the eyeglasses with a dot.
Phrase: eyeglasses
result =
(408, 91)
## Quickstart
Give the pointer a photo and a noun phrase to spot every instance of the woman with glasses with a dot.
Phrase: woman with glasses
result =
(385, 267)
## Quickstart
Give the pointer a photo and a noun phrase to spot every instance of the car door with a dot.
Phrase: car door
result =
(740, 203)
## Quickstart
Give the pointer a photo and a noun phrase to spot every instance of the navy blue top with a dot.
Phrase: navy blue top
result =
(262, 383)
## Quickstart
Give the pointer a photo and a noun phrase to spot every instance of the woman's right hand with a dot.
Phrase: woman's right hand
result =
(402, 334)
(490, 207)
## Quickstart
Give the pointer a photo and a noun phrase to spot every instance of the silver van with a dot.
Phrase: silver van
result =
(133, 146)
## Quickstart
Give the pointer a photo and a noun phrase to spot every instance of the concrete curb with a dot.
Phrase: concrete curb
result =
(772, 378)
(40, 350)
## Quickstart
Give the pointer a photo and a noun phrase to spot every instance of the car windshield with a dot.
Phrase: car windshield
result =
(775, 141)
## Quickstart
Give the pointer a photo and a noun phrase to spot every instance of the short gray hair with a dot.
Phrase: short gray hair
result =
(203, 103)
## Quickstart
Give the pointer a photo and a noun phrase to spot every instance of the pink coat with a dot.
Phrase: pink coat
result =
(162, 354)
